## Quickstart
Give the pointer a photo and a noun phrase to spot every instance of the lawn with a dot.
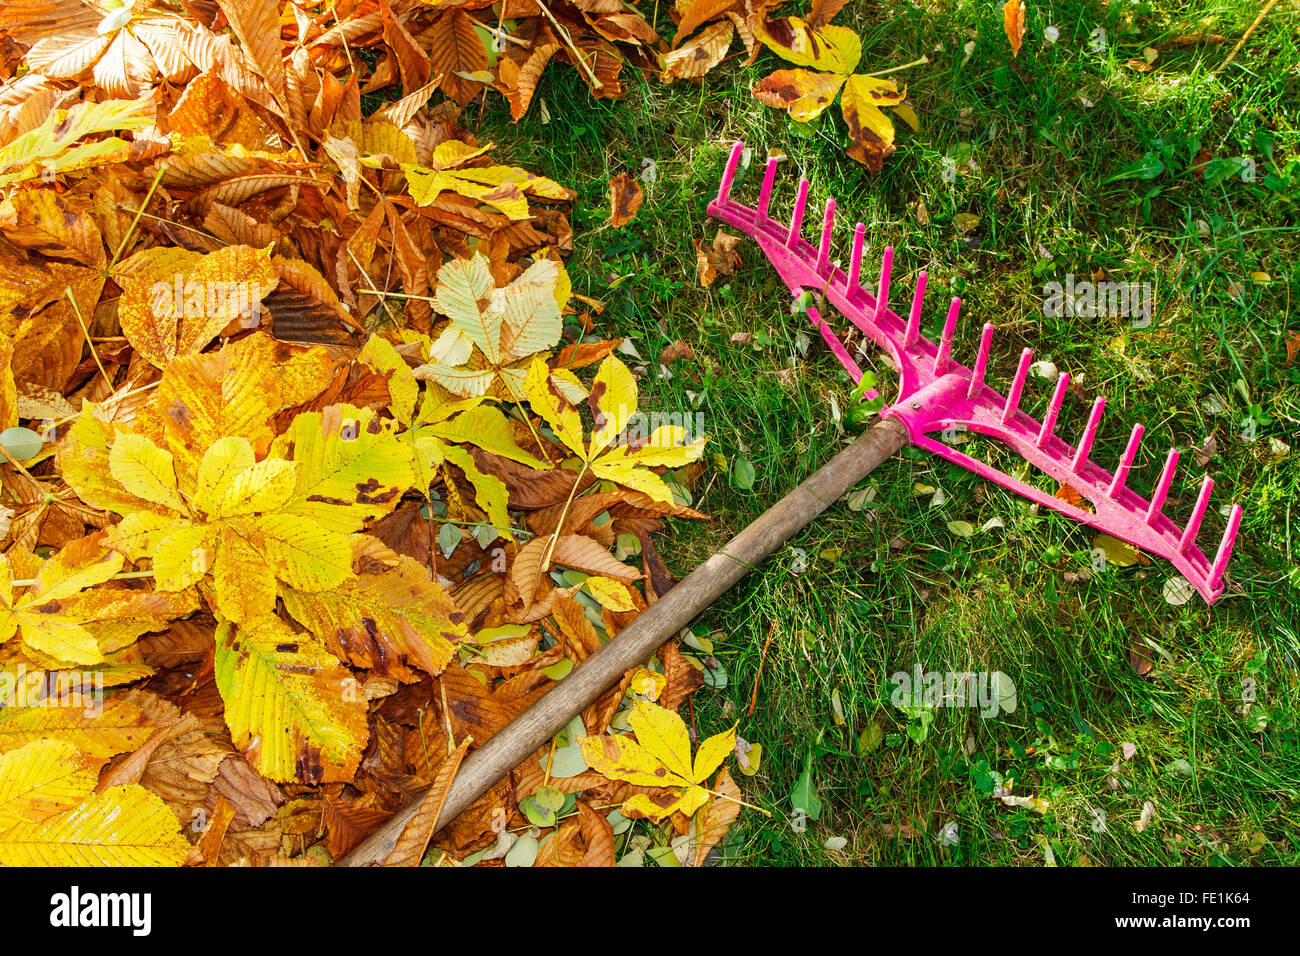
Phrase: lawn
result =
(1075, 161)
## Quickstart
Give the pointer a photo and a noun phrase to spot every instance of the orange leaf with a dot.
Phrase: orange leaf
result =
(1013, 22)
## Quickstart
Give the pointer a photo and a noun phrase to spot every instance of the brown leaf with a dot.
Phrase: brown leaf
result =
(684, 678)
(624, 200)
(582, 354)
(677, 350)
(823, 11)
(597, 835)
(715, 818)
(455, 47)
(720, 259)
(257, 24)
(133, 767)
(1140, 656)
(415, 837)
(699, 54)
(1205, 451)
(208, 849)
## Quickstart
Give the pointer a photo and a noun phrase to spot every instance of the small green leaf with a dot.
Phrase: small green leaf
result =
(743, 474)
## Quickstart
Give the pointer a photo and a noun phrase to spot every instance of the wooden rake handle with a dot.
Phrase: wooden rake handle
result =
(529, 731)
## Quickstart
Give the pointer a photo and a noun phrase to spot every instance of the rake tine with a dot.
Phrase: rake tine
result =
(796, 218)
(882, 289)
(939, 388)
(855, 259)
(824, 249)
(1053, 408)
(914, 317)
(1017, 385)
(765, 193)
(945, 340)
(981, 360)
(1162, 486)
(1089, 433)
(1125, 461)
(729, 173)
(1225, 546)
(1198, 513)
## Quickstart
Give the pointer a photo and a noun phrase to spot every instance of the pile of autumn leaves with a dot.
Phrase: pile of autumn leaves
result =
(321, 533)
(246, 486)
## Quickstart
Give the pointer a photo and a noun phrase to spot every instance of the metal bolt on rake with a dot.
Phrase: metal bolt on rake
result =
(937, 393)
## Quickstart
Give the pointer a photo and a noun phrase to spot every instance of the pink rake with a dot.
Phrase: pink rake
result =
(937, 393)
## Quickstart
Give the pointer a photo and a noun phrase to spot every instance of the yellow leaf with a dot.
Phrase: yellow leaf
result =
(183, 556)
(710, 754)
(1117, 552)
(487, 428)
(403, 389)
(83, 460)
(611, 594)
(290, 705)
(464, 293)
(834, 49)
(664, 735)
(304, 555)
(490, 492)
(242, 578)
(117, 726)
(657, 807)
(145, 470)
(48, 614)
(351, 466)
(647, 683)
(622, 758)
(224, 459)
(530, 310)
(42, 778)
(123, 826)
(546, 401)
(376, 619)
(263, 486)
(614, 401)
(175, 302)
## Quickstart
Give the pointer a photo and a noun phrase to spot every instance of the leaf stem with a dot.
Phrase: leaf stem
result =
(162, 168)
(920, 61)
(121, 576)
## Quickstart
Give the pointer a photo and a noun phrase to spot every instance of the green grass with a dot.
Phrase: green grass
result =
(891, 586)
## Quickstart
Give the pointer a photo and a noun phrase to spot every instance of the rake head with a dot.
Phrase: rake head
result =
(937, 394)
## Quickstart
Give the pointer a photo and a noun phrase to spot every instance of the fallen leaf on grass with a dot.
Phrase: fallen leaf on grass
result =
(722, 258)
(624, 200)
(1013, 24)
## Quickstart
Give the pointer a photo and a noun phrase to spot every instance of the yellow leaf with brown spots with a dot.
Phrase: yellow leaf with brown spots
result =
(871, 130)
(834, 49)
(295, 711)
(804, 93)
